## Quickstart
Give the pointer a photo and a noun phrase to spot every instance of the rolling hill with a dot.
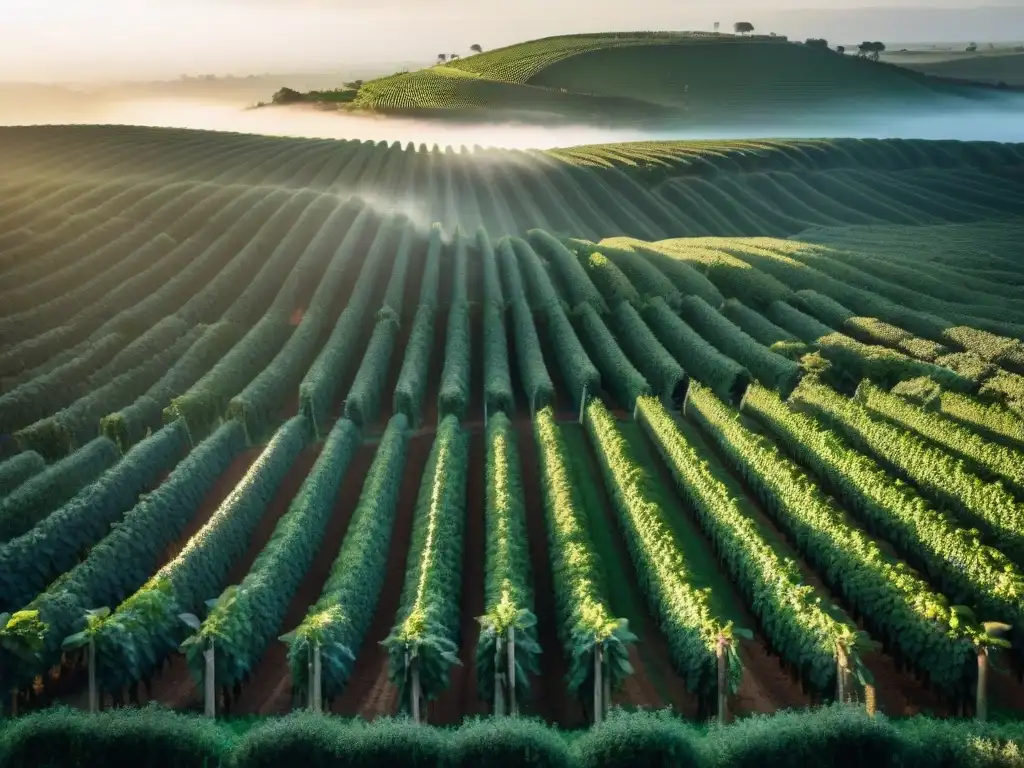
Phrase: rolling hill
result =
(646, 77)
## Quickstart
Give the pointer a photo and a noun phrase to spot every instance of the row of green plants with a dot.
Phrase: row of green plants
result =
(992, 419)
(423, 644)
(508, 650)
(823, 645)
(56, 544)
(242, 621)
(594, 641)
(411, 387)
(121, 562)
(953, 557)
(335, 627)
(134, 640)
(990, 458)
(915, 623)
(936, 472)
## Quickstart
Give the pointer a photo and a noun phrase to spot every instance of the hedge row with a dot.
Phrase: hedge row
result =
(838, 736)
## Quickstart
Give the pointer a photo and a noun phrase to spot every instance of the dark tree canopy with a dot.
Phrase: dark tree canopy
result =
(743, 27)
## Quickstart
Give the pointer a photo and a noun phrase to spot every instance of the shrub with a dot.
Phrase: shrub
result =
(650, 739)
(508, 743)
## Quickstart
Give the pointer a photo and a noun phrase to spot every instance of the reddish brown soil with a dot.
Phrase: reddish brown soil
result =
(369, 692)
(549, 696)
(460, 699)
(269, 689)
(175, 687)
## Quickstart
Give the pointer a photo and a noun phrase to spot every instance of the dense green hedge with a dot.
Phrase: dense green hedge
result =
(840, 735)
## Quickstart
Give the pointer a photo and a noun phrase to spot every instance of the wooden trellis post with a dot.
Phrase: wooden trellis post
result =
(598, 686)
(510, 648)
(583, 404)
(723, 682)
(209, 683)
(94, 699)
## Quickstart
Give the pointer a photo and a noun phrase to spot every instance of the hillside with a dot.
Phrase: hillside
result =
(982, 67)
(368, 394)
(647, 77)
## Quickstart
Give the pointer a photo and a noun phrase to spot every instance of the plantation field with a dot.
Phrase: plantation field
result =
(687, 78)
(462, 432)
(1002, 66)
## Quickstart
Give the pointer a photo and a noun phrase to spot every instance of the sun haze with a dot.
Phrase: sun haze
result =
(141, 39)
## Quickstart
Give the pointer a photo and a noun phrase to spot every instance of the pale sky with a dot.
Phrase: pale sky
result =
(44, 40)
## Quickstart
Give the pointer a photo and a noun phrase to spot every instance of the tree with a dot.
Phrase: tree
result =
(816, 42)
(475, 48)
(972, 47)
(453, 56)
(841, 49)
(717, 24)
(442, 58)
(870, 50)
(743, 27)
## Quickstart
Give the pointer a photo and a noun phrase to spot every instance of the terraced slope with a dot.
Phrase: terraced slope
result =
(330, 369)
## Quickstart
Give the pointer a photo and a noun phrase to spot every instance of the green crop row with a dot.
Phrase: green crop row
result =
(683, 610)
(965, 569)
(574, 278)
(242, 621)
(426, 631)
(32, 561)
(585, 621)
(508, 589)
(896, 604)
(989, 418)
(726, 378)
(992, 459)
(453, 394)
(19, 469)
(412, 379)
(498, 395)
(363, 402)
(340, 618)
(133, 642)
(936, 472)
(622, 380)
(55, 485)
(798, 628)
(533, 371)
(123, 560)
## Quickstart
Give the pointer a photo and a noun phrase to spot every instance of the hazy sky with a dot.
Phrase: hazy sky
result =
(138, 39)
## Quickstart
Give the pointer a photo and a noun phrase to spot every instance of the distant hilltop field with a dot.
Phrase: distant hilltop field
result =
(645, 76)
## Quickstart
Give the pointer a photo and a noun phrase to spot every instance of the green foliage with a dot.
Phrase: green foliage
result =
(624, 381)
(124, 559)
(133, 642)
(726, 378)
(70, 428)
(30, 562)
(453, 395)
(683, 611)
(340, 618)
(498, 394)
(609, 279)
(770, 369)
(244, 619)
(648, 354)
(854, 361)
(363, 402)
(427, 625)
(54, 486)
(799, 324)
(958, 561)
(990, 419)
(320, 385)
(129, 425)
(533, 371)
(492, 273)
(541, 289)
(412, 379)
(988, 458)
(628, 739)
(754, 324)
(937, 473)
(894, 602)
(19, 469)
(117, 738)
(648, 279)
(578, 372)
(827, 310)
(841, 736)
(574, 278)
(585, 621)
(508, 591)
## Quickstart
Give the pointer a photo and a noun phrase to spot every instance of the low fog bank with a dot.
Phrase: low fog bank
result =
(984, 122)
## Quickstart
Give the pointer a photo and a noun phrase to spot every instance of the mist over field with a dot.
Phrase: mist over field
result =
(976, 123)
